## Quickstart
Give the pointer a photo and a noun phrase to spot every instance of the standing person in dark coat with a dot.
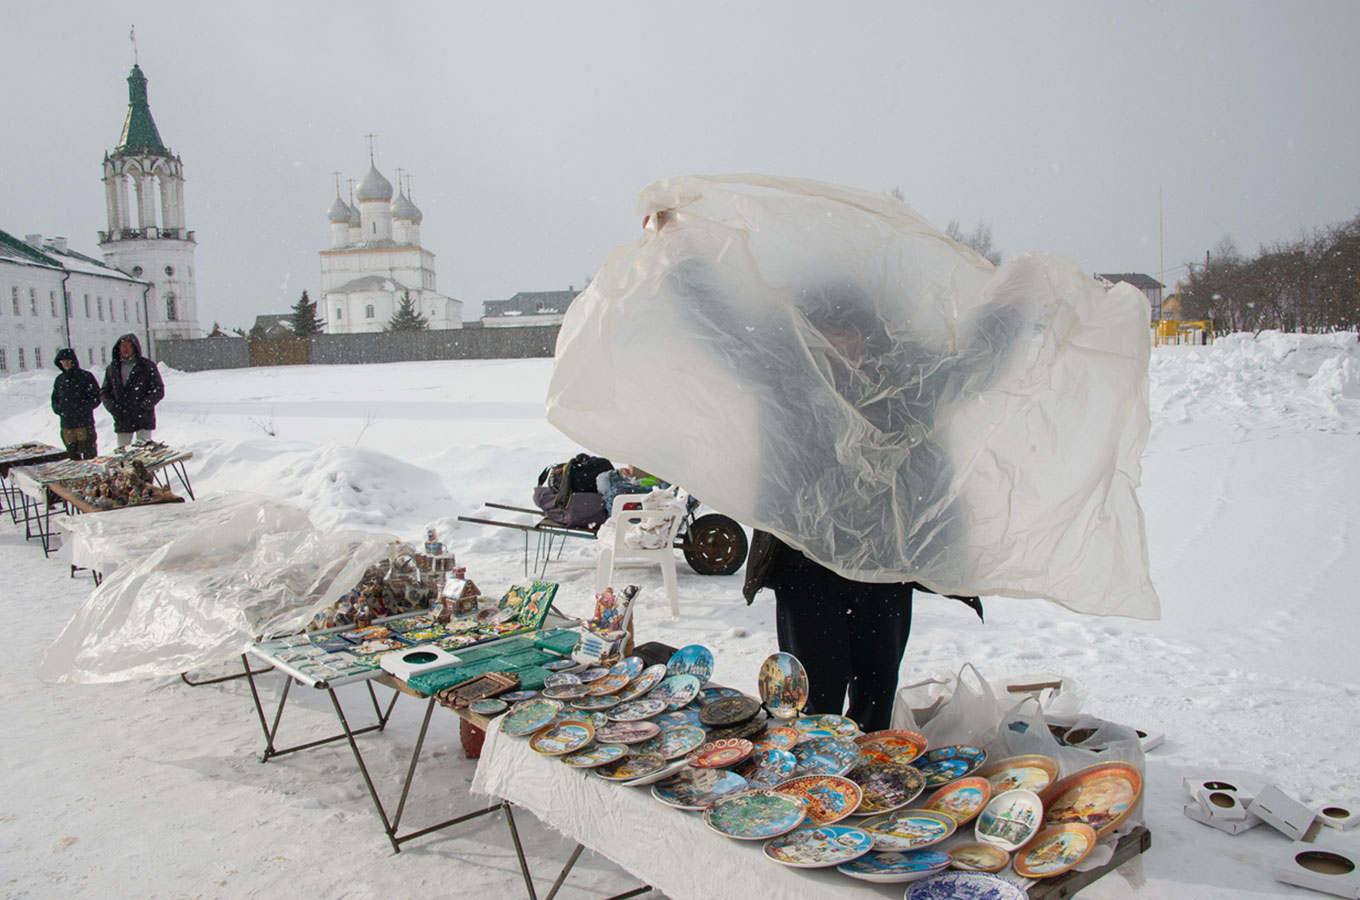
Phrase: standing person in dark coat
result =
(132, 388)
(75, 397)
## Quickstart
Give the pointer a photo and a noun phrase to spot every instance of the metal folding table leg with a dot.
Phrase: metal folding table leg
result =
(566, 870)
(270, 751)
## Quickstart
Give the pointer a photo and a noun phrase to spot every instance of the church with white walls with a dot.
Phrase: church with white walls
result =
(375, 259)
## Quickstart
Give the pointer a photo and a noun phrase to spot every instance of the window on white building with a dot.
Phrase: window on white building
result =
(14, 295)
(99, 305)
(52, 296)
(37, 357)
(66, 301)
(339, 313)
(89, 354)
(21, 358)
(4, 366)
(125, 315)
(368, 311)
(139, 312)
(33, 303)
(87, 306)
(103, 356)
(170, 315)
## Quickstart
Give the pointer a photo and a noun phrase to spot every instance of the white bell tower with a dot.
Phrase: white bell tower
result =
(147, 238)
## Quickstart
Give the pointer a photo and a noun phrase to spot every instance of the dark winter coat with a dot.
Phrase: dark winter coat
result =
(132, 404)
(75, 393)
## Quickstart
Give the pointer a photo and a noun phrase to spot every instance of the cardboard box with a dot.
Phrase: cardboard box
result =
(1231, 826)
(1341, 816)
(1227, 806)
(1320, 867)
(1284, 813)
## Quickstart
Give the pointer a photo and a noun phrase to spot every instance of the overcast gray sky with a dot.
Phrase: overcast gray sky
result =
(530, 127)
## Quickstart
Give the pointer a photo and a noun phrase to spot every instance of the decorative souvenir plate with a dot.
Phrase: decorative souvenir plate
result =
(678, 717)
(626, 732)
(632, 766)
(909, 829)
(783, 685)
(1101, 796)
(709, 694)
(973, 885)
(630, 665)
(636, 710)
(494, 616)
(556, 678)
(572, 691)
(652, 777)
(518, 696)
(945, 764)
(730, 710)
(755, 815)
(650, 678)
(591, 675)
(720, 754)
(697, 788)
(564, 737)
(597, 719)
(676, 691)
(1010, 819)
(1028, 773)
(961, 799)
(693, 659)
(673, 743)
(527, 717)
(816, 734)
(767, 768)
(825, 757)
(490, 706)
(594, 703)
(609, 684)
(840, 726)
(1054, 850)
(561, 665)
(819, 846)
(777, 737)
(830, 798)
(886, 786)
(596, 755)
(891, 746)
(892, 868)
(747, 730)
(978, 856)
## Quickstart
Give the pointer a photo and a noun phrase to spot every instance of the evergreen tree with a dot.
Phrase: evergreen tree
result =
(305, 322)
(406, 318)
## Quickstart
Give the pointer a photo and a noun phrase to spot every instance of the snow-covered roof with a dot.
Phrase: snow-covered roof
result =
(14, 250)
(1137, 279)
(531, 303)
(370, 283)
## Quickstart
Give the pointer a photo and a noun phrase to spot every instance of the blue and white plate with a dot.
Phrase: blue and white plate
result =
(694, 659)
(974, 885)
(676, 691)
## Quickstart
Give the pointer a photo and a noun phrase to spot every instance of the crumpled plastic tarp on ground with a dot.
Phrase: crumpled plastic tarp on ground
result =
(209, 592)
(823, 364)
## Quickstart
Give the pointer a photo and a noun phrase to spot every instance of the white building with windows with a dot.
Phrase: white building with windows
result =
(147, 237)
(375, 258)
(53, 297)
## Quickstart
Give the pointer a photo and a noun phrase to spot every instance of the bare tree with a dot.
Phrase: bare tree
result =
(980, 239)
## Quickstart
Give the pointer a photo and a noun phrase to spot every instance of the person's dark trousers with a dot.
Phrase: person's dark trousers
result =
(81, 443)
(849, 635)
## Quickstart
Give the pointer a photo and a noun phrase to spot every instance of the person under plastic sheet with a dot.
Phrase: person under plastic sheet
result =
(851, 635)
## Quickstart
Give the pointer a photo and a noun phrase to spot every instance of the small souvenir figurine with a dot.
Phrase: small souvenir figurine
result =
(433, 546)
(363, 616)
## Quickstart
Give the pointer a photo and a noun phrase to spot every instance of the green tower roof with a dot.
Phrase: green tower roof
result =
(139, 129)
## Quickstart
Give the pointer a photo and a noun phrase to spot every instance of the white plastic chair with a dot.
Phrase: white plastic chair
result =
(613, 552)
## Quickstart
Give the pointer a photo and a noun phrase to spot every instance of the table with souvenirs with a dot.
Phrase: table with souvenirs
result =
(656, 768)
(158, 459)
(31, 486)
(26, 454)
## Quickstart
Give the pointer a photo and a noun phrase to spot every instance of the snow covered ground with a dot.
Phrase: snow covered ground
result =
(152, 789)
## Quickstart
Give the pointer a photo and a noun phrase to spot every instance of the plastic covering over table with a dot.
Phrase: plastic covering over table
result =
(835, 370)
(211, 589)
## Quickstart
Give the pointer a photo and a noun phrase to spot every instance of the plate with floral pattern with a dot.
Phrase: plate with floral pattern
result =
(819, 846)
(755, 814)
(830, 798)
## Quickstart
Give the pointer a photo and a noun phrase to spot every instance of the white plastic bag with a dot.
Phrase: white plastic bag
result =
(947, 711)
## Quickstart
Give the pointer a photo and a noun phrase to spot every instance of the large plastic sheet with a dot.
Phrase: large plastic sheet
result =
(824, 364)
(206, 595)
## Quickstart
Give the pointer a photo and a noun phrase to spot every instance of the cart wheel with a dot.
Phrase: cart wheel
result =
(715, 545)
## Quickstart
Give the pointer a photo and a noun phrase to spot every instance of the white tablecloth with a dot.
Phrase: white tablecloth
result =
(669, 849)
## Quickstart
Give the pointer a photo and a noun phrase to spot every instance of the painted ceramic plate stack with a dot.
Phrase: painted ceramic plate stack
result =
(768, 768)
(648, 679)
(1054, 850)
(626, 732)
(1101, 796)
(886, 786)
(697, 788)
(1029, 773)
(673, 743)
(977, 856)
(777, 737)
(670, 769)
(973, 885)
(693, 659)
(721, 754)
(755, 814)
(635, 765)
(895, 868)
(594, 756)
(962, 799)
(819, 846)
(676, 691)
(829, 798)
(1010, 819)
(636, 710)
(825, 757)
(732, 709)
(783, 685)
(564, 737)
(909, 829)
(527, 717)
(945, 764)
(891, 746)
